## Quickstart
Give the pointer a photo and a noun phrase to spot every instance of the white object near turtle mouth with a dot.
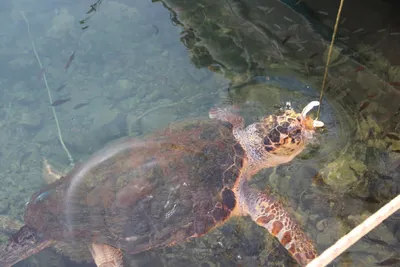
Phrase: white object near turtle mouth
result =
(318, 124)
(310, 106)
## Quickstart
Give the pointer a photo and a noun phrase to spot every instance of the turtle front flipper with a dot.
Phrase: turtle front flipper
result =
(223, 114)
(23, 244)
(50, 174)
(106, 256)
(269, 213)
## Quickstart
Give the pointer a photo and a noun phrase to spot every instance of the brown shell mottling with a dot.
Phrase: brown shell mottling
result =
(163, 189)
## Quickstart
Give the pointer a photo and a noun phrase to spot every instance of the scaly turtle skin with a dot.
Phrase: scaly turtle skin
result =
(173, 185)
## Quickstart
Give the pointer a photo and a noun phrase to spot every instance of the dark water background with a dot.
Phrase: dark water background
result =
(141, 65)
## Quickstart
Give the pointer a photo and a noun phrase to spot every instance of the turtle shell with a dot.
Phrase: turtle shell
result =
(137, 194)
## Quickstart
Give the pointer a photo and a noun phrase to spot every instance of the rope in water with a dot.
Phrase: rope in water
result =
(71, 160)
(329, 56)
(371, 222)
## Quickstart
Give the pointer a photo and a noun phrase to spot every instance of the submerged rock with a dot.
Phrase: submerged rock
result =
(344, 173)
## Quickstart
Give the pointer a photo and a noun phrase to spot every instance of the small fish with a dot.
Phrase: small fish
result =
(60, 101)
(61, 87)
(358, 30)
(377, 241)
(270, 10)
(388, 262)
(84, 28)
(363, 105)
(262, 8)
(71, 57)
(314, 55)
(81, 105)
(277, 26)
(286, 39)
(288, 19)
(93, 8)
(372, 200)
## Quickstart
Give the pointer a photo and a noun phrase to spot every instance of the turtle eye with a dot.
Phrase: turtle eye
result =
(282, 129)
(285, 124)
(295, 131)
(298, 131)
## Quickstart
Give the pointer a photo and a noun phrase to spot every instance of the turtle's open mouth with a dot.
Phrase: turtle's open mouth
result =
(21, 245)
(308, 124)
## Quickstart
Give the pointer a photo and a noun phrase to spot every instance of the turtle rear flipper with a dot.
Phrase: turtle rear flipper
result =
(23, 244)
(106, 256)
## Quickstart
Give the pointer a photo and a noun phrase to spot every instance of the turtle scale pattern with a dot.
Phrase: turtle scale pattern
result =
(173, 185)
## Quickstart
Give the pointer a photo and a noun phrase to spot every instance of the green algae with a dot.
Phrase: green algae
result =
(344, 173)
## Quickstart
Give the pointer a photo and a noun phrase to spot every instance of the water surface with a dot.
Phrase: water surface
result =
(140, 65)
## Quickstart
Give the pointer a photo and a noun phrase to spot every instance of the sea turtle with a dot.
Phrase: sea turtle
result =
(173, 185)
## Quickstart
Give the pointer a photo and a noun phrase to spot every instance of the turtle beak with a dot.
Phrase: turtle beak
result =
(26, 242)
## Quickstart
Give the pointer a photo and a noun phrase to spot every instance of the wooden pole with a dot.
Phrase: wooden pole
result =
(354, 235)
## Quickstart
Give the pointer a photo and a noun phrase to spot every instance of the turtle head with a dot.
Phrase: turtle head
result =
(26, 242)
(287, 132)
(44, 212)
(301, 127)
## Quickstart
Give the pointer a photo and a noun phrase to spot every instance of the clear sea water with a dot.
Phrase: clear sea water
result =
(140, 65)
